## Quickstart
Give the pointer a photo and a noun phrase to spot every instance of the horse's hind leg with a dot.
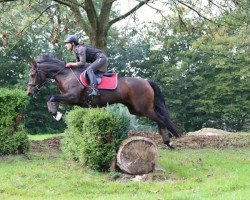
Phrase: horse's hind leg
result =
(150, 113)
(165, 134)
(144, 98)
(163, 131)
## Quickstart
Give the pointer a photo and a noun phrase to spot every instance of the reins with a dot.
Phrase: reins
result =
(76, 77)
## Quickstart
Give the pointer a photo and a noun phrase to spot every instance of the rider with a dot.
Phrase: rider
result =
(85, 54)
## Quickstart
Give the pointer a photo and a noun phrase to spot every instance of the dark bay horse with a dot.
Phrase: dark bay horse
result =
(142, 97)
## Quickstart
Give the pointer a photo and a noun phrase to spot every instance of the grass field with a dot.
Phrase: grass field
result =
(189, 174)
(43, 136)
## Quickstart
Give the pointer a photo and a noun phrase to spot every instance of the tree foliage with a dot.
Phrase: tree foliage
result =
(198, 54)
(95, 18)
(130, 56)
(206, 76)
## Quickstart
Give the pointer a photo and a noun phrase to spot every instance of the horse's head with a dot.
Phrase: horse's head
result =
(36, 79)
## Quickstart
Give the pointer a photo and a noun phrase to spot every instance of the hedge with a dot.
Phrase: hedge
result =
(13, 137)
(93, 136)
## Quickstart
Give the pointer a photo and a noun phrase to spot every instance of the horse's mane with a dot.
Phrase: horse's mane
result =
(53, 60)
(49, 58)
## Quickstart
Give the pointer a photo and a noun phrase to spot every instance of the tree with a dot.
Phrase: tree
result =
(130, 55)
(229, 84)
(95, 18)
(178, 59)
(205, 76)
(16, 53)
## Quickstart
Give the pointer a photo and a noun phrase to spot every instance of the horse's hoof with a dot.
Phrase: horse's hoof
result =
(58, 116)
(169, 145)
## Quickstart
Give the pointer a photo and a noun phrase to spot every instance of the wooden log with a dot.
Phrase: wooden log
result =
(137, 155)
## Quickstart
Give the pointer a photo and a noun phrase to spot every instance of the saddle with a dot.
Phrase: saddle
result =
(106, 80)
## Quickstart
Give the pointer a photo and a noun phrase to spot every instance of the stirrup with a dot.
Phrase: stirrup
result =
(93, 92)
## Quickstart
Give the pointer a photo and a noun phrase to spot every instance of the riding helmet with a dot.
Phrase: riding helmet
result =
(71, 38)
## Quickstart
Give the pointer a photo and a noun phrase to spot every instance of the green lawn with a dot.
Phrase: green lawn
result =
(43, 136)
(190, 174)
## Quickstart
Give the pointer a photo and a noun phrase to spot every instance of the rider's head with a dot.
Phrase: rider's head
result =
(71, 41)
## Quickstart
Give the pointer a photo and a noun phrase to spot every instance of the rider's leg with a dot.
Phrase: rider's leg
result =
(93, 82)
(99, 62)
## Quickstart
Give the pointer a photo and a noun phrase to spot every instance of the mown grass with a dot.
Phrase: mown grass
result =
(189, 174)
(43, 136)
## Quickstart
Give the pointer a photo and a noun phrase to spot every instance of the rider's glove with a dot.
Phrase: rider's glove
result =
(68, 65)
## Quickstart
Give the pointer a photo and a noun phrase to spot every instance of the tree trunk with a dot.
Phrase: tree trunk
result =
(99, 20)
(137, 155)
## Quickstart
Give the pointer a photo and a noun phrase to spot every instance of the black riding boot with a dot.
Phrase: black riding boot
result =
(93, 83)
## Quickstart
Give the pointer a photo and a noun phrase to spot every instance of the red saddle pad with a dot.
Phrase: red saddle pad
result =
(109, 83)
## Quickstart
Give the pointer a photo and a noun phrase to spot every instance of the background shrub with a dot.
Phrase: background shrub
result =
(135, 123)
(13, 136)
(93, 136)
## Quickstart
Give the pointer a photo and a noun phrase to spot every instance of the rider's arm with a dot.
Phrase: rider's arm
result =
(80, 53)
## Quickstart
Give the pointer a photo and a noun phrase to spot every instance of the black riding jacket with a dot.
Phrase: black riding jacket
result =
(85, 54)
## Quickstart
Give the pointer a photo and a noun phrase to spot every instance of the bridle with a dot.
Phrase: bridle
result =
(37, 87)
(34, 86)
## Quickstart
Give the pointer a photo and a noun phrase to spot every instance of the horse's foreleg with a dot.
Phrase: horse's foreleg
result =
(52, 104)
(52, 107)
(68, 98)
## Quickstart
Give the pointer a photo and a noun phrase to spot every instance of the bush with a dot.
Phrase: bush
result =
(135, 123)
(13, 136)
(93, 136)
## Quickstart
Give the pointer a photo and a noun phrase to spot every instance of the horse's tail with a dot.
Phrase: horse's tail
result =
(162, 112)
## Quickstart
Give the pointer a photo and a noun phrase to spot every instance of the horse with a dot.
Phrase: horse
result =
(142, 97)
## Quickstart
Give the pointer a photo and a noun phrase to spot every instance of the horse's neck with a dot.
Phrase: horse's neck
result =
(53, 70)
(61, 74)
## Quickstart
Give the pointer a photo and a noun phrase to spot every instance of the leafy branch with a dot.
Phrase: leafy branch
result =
(37, 18)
